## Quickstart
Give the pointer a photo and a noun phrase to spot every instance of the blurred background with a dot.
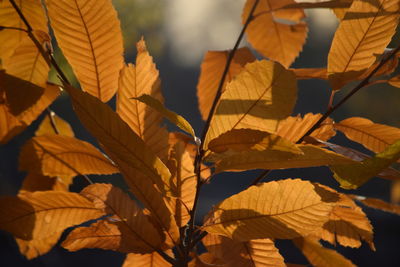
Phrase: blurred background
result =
(178, 33)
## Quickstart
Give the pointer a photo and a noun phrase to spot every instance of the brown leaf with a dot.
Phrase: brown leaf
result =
(92, 42)
(37, 182)
(211, 72)
(37, 247)
(205, 260)
(378, 204)
(146, 260)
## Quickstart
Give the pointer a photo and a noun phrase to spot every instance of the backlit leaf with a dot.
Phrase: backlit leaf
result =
(41, 214)
(205, 260)
(258, 98)
(37, 247)
(379, 204)
(281, 42)
(89, 34)
(211, 72)
(253, 253)
(272, 210)
(146, 260)
(130, 154)
(365, 31)
(46, 127)
(354, 175)
(54, 155)
(38, 182)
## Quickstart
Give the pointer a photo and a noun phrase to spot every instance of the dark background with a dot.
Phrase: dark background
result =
(378, 103)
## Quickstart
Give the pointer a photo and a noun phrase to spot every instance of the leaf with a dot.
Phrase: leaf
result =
(211, 72)
(41, 214)
(258, 98)
(354, 175)
(258, 252)
(375, 23)
(176, 119)
(272, 210)
(37, 182)
(318, 255)
(374, 136)
(293, 128)
(281, 42)
(10, 39)
(379, 204)
(205, 260)
(143, 120)
(312, 156)
(37, 247)
(89, 34)
(146, 260)
(46, 127)
(54, 155)
(340, 12)
(130, 154)
(310, 73)
(138, 234)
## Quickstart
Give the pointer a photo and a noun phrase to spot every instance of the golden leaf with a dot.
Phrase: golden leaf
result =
(144, 121)
(253, 253)
(372, 24)
(89, 34)
(310, 73)
(281, 42)
(46, 127)
(211, 72)
(54, 155)
(318, 255)
(37, 247)
(262, 95)
(374, 136)
(146, 260)
(379, 204)
(41, 214)
(272, 210)
(130, 154)
(10, 39)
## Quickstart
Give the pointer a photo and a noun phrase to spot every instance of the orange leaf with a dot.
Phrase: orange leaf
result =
(205, 260)
(46, 127)
(212, 68)
(37, 247)
(88, 32)
(277, 41)
(272, 210)
(146, 260)
(378, 204)
(37, 182)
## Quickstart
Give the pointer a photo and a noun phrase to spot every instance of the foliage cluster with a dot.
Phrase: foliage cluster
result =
(246, 104)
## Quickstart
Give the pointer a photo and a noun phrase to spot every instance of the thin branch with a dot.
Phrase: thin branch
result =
(12, 28)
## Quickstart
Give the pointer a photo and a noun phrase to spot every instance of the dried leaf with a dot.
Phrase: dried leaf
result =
(379, 204)
(320, 256)
(311, 73)
(89, 34)
(46, 127)
(211, 72)
(281, 42)
(374, 23)
(54, 155)
(253, 253)
(146, 260)
(258, 98)
(41, 214)
(37, 247)
(374, 136)
(37, 182)
(205, 260)
(272, 210)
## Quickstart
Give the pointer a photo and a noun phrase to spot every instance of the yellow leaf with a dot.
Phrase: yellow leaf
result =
(253, 253)
(54, 155)
(37, 182)
(10, 39)
(146, 260)
(211, 72)
(262, 95)
(275, 40)
(46, 127)
(176, 119)
(320, 256)
(310, 73)
(354, 175)
(312, 156)
(272, 210)
(144, 121)
(374, 136)
(130, 154)
(379, 204)
(293, 128)
(89, 34)
(41, 214)
(372, 25)
(37, 247)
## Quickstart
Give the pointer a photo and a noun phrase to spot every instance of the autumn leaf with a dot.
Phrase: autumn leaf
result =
(379, 204)
(211, 72)
(253, 253)
(272, 210)
(41, 214)
(54, 155)
(52, 122)
(318, 255)
(375, 23)
(146, 260)
(258, 98)
(38, 182)
(134, 81)
(205, 260)
(37, 247)
(92, 42)
(354, 175)
(374, 136)
(281, 42)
